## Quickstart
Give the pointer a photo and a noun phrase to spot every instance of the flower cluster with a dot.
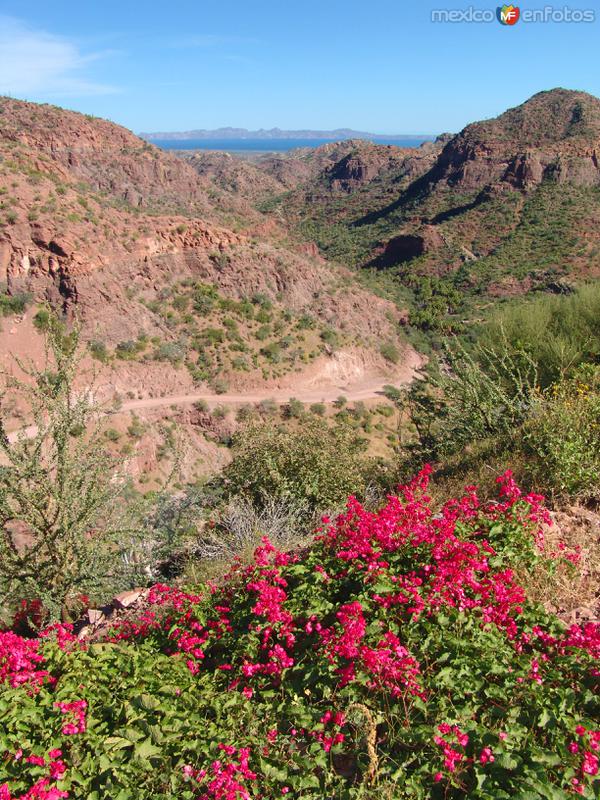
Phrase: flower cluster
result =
(45, 787)
(452, 757)
(20, 660)
(74, 713)
(224, 780)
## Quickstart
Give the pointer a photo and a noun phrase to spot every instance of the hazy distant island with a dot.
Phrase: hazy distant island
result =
(277, 133)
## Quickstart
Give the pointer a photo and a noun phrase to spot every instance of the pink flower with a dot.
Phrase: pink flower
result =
(75, 713)
(486, 756)
(590, 763)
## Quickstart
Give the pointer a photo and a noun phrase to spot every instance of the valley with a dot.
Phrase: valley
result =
(300, 462)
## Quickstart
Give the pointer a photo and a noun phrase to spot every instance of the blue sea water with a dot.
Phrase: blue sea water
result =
(264, 145)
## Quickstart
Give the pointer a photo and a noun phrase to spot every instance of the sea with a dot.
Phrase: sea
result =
(266, 145)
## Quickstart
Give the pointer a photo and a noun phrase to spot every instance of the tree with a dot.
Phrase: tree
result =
(66, 528)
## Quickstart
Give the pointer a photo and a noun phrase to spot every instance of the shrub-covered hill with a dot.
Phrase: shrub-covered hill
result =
(396, 657)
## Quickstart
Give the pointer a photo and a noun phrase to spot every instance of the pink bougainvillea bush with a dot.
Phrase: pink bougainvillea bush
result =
(396, 657)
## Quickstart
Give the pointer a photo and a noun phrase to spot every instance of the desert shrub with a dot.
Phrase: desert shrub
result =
(390, 352)
(204, 297)
(136, 428)
(558, 332)
(181, 302)
(245, 413)
(220, 412)
(306, 322)
(393, 393)
(240, 527)
(220, 386)
(294, 408)
(471, 399)
(397, 656)
(329, 337)
(14, 303)
(240, 363)
(127, 350)
(272, 352)
(221, 260)
(112, 434)
(263, 333)
(173, 352)
(261, 300)
(319, 409)
(99, 350)
(562, 437)
(65, 525)
(268, 407)
(201, 405)
(263, 316)
(317, 465)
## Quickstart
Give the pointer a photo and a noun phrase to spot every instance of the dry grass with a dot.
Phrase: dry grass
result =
(571, 591)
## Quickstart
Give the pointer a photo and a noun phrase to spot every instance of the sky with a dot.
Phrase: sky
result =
(380, 66)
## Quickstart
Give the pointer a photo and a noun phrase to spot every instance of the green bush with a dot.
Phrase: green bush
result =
(220, 386)
(472, 399)
(263, 332)
(317, 464)
(213, 335)
(99, 350)
(562, 437)
(14, 303)
(65, 494)
(558, 332)
(294, 408)
(272, 352)
(136, 428)
(329, 337)
(390, 352)
(174, 352)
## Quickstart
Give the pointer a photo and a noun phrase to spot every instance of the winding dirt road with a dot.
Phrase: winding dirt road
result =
(364, 389)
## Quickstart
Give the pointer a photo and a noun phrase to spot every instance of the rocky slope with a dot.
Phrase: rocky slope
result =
(506, 205)
(128, 238)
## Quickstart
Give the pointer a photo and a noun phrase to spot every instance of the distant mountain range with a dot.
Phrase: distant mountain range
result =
(277, 133)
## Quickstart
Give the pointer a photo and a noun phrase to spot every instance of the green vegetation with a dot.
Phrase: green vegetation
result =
(58, 485)
(396, 656)
(316, 465)
(14, 303)
(559, 333)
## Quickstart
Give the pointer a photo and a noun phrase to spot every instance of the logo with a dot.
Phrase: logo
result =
(508, 15)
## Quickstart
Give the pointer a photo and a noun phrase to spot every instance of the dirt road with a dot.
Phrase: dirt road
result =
(364, 389)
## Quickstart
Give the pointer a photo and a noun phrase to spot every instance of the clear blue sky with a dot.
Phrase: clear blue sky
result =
(375, 65)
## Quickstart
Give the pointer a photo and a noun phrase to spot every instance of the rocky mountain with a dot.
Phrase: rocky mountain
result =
(157, 255)
(336, 165)
(505, 206)
(275, 133)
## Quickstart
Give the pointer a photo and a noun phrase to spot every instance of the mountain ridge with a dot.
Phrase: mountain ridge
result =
(279, 133)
